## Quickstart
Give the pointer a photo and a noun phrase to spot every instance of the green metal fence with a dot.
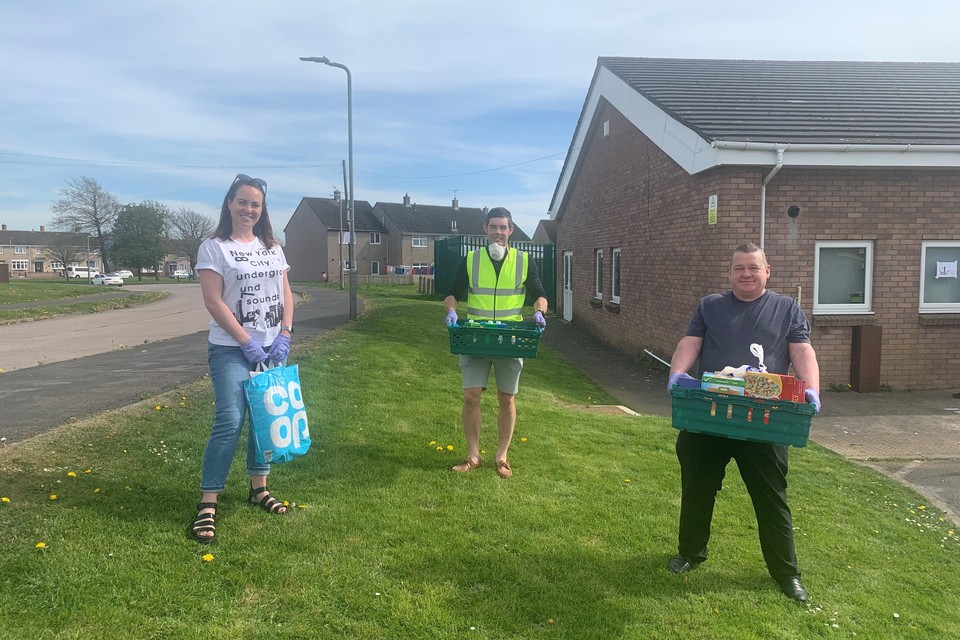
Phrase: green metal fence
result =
(448, 252)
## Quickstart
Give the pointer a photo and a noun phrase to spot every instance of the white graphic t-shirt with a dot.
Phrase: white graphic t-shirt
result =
(252, 286)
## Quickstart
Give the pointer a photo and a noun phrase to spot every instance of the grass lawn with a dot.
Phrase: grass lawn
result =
(385, 542)
(57, 295)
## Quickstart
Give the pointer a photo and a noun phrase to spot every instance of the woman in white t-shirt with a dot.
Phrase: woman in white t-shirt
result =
(243, 277)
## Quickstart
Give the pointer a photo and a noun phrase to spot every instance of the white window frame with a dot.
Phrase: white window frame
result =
(346, 265)
(374, 267)
(598, 274)
(19, 265)
(859, 308)
(20, 251)
(935, 307)
(374, 237)
(615, 275)
(418, 242)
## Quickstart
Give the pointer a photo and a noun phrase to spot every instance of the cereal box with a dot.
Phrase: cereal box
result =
(722, 384)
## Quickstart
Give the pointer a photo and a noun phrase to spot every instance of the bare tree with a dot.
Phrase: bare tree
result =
(63, 249)
(84, 206)
(188, 230)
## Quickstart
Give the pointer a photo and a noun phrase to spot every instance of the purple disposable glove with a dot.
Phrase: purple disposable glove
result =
(279, 349)
(813, 397)
(540, 320)
(253, 352)
(675, 378)
(451, 318)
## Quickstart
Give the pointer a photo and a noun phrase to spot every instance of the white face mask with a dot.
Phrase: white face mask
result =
(497, 251)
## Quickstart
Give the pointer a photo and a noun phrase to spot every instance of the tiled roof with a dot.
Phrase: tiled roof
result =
(802, 102)
(40, 238)
(328, 211)
(436, 220)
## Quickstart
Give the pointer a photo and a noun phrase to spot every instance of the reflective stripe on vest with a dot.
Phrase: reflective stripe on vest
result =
(493, 298)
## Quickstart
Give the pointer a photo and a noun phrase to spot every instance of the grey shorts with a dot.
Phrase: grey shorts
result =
(476, 372)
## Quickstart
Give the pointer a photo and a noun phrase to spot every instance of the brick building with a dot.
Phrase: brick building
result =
(848, 174)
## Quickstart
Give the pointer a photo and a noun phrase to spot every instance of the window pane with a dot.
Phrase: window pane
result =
(615, 285)
(842, 275)
(945, 289)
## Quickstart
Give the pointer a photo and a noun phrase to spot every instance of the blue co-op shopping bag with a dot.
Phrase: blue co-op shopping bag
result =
(277, 413)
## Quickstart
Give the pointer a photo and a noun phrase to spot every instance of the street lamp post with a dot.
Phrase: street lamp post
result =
(350, 212)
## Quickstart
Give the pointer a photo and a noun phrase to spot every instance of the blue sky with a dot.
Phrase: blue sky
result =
(169, 100)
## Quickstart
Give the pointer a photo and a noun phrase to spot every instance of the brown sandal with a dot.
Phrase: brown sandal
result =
(465, 465)
(504, 470)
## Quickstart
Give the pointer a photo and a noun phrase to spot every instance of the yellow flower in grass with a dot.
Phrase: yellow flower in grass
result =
(301, 506)
(53, 496)
(71, 474)
(41, 545)
(158, 407)
(523, 439)
(439, 448)
(88, 471)
(97, 490)
(433, 442)
(5, 500)
(449, 447)
(207, 557)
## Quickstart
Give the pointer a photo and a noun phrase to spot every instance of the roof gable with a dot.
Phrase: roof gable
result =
(708, 113)
(438, 220)
(330, 210)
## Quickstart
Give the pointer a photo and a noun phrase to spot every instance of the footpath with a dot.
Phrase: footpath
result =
(911, 436)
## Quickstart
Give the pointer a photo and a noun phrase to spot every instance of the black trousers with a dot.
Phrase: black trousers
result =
(763, 467)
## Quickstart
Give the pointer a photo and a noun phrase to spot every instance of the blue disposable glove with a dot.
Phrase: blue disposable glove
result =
(675, 379)
(451, 318)
(253, 352)
(279, 349)
(813, 397)
(540, 320)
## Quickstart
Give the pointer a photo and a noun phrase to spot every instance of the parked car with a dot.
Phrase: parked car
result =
(180, 273)
(124, 273)
(109, 279)
(81, 272)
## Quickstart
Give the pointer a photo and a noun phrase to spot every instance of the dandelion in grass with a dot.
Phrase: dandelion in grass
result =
(53, 496)
(158, 407)
(71, 474)
(5, 500)
(96, 491)
(449, 447)
(523, 439)
(627, 480)
(439, 448)
(433, 442)
(41, 545)
(207, 557)
(301, 506)
(88, 471)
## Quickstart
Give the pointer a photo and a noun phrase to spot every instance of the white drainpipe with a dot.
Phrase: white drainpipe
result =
(763, 193)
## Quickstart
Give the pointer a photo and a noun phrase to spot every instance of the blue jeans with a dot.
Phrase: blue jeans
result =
(228, 369)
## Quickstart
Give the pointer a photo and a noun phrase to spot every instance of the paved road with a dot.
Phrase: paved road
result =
(108, 360)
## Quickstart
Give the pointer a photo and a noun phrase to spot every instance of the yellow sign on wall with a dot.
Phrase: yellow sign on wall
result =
(712, 210)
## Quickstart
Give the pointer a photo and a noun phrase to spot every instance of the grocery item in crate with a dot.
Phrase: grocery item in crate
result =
(764, 385)
(722, 384)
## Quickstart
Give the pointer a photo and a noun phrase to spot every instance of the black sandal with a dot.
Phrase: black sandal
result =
(204, 522)
(268, 503)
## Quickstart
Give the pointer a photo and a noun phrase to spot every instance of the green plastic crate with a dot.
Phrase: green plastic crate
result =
(517, 340)
(742, 417)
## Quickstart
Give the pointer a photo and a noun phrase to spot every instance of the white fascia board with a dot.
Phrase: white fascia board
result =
(834, 155)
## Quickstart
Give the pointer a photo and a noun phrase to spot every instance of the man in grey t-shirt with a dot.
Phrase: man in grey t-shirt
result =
(720, 334)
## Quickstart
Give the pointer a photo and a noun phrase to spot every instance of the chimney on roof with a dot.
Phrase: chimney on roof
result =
(4, 228)
(336, 195)
(406, 199)
(42, 228)
(456, 204)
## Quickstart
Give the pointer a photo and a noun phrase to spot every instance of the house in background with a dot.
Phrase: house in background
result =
(316, 239)
(847, 173)
(27, 253)
(546, 232)
(413, 228)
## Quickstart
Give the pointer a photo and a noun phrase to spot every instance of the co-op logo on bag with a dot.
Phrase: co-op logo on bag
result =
(285, 430)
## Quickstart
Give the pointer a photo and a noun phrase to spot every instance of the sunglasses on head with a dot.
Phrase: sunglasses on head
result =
(243, 178)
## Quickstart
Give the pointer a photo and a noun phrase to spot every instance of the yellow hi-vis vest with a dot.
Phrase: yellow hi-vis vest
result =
(493, 298)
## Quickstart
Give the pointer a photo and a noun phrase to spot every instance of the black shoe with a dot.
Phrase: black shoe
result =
(682, 564)
(793, 588)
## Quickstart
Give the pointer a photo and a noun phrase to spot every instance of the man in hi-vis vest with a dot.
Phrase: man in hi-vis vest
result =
(496, 282)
